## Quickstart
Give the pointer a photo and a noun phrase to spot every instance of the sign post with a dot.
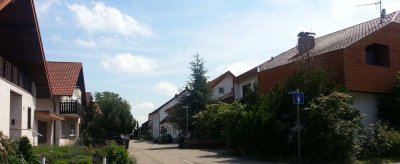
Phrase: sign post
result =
(298, 98)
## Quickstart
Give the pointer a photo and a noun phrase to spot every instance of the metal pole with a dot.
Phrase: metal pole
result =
(187, 127)
(298, 129)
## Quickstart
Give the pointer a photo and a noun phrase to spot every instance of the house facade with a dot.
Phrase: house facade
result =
(58, 118)
(365, 57)
(222, 87)
(39, 99)
(23, 74)
(243, 83)
(158, 119)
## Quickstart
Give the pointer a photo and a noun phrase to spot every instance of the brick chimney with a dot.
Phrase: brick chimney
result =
(306, 41)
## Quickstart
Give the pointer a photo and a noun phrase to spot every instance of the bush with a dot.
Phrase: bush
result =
(116, 154)
(9, 151)
(61, 153)
(378, 141)
(389, 106)
(331, 126)
(25, 149)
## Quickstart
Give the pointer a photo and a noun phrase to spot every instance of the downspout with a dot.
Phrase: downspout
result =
(54, 122)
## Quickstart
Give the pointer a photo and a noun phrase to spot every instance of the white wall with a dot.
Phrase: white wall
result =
(161, 115)
(226, 83)
(366, 103)
(238, 85)
(44, 105)
(20, 112)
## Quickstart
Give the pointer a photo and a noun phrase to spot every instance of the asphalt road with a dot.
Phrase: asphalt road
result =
(148, 153)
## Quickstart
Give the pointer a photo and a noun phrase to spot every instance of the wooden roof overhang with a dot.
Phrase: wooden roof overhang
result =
(20, 42)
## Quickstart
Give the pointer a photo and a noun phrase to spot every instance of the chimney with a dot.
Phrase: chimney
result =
(306, 41)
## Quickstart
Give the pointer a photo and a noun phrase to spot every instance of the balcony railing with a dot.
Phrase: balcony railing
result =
(14, 75)
(71, 107)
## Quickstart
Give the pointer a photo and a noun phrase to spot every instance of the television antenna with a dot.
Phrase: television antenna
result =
(382, 12)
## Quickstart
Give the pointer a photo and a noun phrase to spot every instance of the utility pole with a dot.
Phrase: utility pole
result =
(187, 127)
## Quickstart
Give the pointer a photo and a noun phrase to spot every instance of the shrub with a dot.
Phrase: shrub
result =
(389, 106)
(9, 151)
(378, 141)
(25, 149)
(116, 154)
(81, 159)
(331, 126)
(210, 122)
(61, 153)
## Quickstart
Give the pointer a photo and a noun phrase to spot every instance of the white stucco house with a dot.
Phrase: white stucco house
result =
(23, 76)
(222, 87)
(222, 90)
(244, 82)
(158, 121)
(40, 100)
(58, 118)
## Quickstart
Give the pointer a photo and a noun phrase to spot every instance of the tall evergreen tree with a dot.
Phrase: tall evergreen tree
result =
(197, 97)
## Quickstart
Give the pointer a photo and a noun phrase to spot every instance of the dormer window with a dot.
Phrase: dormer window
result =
(377, 54)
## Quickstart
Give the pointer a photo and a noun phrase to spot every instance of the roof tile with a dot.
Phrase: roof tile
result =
(63, 77)
(333, 41)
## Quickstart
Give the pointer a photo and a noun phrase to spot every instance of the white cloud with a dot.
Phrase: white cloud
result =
(141, 111)
(236, 68)
(85, 43)
(55, 38)
(107, 19)
(128, 63)
(43, 6)
(166, 88)
(103, 41)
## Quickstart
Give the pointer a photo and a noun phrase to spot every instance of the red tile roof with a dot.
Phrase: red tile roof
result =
(333, 41)
(63, 77)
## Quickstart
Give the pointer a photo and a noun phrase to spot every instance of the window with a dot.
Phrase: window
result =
(29, 118)
(221, 90)
(377, 54)
(71, 129)
(246, 91)
(64, 129)
(68, 129)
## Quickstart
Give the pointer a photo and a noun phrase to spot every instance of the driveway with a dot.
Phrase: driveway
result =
(148, 153)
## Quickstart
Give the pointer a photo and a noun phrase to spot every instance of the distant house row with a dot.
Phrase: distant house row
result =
(40, 99)
(366, 58)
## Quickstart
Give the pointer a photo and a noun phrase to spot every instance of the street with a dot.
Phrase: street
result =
(148, 153)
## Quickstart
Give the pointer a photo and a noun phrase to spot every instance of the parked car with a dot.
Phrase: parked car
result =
(165, 138)
(122, 140)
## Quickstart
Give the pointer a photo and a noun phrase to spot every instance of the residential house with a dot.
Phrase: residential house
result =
(157, 119)
(222, 87)
(366, 58)
(58, 118)
(244, 82)
(222, 90)
(23, 76)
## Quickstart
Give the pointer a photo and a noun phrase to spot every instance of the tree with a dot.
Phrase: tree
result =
(331, 125)
(115, 117)
(198, 95)
(389, 106)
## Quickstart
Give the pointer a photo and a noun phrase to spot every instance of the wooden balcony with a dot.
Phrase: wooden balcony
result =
(72, 107)
(12, 74)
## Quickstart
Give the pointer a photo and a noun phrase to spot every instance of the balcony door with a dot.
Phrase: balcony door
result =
(42, 129)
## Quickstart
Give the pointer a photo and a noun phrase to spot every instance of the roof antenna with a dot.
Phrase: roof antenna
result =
(382, 12)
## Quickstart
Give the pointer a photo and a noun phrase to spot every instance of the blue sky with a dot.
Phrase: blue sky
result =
(141, 49)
